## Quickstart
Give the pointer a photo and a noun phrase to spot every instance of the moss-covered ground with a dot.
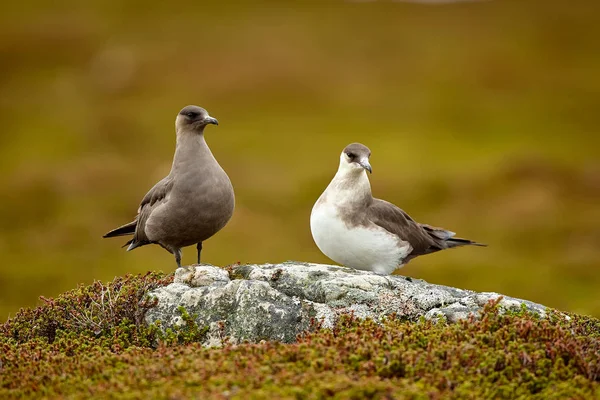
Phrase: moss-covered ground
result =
(91, 343)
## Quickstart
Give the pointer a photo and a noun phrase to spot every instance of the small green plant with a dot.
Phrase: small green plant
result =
(188, 332)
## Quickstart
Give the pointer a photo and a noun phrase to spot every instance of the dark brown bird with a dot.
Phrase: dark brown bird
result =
(190, 204)
(355, 229)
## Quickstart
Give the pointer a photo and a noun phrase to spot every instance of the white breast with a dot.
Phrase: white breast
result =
(369, 248)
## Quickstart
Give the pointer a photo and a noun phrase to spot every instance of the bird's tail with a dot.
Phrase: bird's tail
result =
(448, 237)
(127, 229)
(456, 242)
(132, 244)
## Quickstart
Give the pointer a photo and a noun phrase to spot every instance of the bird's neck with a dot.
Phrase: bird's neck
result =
(191, 147)
(349, 188)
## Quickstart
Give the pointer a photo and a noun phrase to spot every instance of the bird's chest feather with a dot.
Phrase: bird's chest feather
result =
(193, 211)
(362, 246)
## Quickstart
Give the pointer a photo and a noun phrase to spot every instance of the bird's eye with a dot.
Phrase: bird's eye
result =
(350, 155)
(191, 114)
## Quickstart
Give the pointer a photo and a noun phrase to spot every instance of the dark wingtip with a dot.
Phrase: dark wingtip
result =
(455, 242)
(128, 243)
(472, 243)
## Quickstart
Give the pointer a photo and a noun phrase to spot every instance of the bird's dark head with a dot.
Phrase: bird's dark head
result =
(194, 118)
(356, 157)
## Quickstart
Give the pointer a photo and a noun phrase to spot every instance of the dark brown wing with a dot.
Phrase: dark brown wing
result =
(154, 197)
(157, 193)
(398, 222)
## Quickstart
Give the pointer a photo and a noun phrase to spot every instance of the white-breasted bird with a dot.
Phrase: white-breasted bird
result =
(355, 229)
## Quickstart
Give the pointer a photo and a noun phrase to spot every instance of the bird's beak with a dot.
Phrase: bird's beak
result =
(211, 120)
(365, 164)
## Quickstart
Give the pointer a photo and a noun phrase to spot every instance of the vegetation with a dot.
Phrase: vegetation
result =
(91, 343)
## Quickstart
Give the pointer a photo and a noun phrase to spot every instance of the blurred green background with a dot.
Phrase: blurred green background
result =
(482, 118)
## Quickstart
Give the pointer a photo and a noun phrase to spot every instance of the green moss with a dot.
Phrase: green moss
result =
(188, 332)
(48, 352)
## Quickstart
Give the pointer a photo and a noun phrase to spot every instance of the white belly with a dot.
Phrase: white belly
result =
(369, 248)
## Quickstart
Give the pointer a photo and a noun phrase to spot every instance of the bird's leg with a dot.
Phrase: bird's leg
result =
(177, 253)
(199, 247)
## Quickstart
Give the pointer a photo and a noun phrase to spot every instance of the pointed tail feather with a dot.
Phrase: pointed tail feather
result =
(456, 242)
(439, 233)
(127, 229)
(132, 244)
(448, 237)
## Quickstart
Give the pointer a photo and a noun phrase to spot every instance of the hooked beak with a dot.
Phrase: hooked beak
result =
(211, 120)
(365, 164)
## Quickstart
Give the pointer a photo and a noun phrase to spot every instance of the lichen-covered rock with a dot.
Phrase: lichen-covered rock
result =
(279, 301)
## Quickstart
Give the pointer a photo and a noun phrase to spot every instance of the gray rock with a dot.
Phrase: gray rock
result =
(280, 301)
